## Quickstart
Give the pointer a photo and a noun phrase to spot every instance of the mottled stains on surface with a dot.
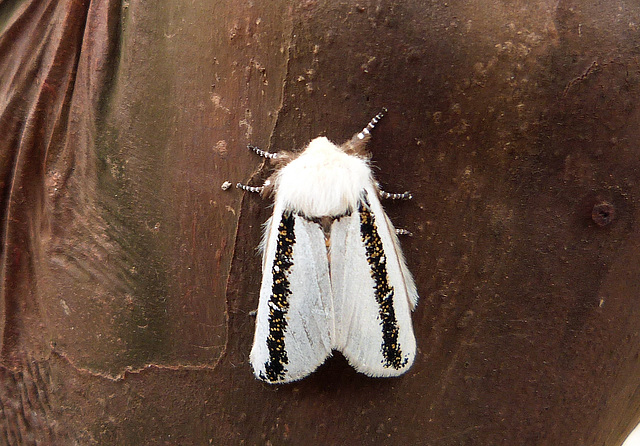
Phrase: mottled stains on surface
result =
(511, 121)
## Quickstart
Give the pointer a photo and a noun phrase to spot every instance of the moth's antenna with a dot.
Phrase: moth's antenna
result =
(367, 130)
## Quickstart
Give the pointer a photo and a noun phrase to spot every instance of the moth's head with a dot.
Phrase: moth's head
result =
(322, 181)
(322, 146)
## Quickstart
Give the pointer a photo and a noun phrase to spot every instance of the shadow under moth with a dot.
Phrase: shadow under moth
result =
(333, 274)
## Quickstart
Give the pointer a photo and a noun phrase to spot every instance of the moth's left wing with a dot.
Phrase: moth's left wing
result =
(373, 292)
(293, 322)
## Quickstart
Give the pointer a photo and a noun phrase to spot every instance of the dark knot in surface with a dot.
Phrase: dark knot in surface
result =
(603, 213)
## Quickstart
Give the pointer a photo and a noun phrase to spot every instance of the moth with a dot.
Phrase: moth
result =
(333, 274)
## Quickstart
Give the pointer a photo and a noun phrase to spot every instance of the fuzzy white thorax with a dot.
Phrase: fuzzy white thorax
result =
(323, 181)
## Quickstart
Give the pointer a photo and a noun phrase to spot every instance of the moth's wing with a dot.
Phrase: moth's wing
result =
(294, 318)
(373, 292)
(389, 238)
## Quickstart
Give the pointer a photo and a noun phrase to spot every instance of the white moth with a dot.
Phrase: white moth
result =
(333, 275)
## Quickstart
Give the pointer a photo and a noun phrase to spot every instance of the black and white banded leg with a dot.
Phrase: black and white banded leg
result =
(403, 196)
(262, 153)
(254, 189)
(367, 130)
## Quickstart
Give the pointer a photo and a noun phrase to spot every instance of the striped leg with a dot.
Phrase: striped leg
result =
(253, 189)
(262, 153)
(402, 196)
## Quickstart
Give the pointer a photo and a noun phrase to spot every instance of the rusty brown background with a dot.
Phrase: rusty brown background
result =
(128, 275)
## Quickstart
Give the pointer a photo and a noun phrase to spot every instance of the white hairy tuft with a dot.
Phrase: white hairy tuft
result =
(323, 181)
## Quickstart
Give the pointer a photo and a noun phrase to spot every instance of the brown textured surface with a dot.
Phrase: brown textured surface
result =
(128, 275)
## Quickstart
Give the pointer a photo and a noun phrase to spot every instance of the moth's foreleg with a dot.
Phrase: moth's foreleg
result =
(262, 153)
(254, 189)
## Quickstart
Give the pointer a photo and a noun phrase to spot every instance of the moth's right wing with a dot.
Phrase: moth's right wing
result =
(373, 292)
(294, 318)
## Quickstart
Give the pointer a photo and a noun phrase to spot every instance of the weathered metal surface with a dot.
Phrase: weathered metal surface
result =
(129, 275)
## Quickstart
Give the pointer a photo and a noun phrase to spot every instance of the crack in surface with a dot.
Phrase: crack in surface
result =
(122, 375)
(592, 69)
(287, 68)
(287, 45)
